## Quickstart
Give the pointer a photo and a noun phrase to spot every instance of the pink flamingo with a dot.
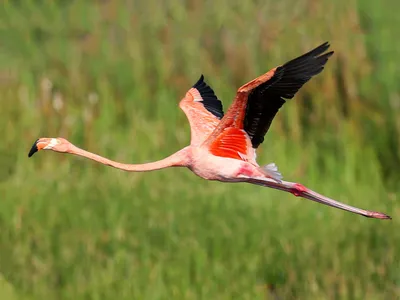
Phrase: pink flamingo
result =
(223, 147)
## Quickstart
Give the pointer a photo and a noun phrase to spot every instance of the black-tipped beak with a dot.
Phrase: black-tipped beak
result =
(34, 149)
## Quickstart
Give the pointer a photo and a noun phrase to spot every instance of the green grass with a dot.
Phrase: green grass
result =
(71, 229)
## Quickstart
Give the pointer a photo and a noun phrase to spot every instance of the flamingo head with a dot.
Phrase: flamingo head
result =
(55, 144)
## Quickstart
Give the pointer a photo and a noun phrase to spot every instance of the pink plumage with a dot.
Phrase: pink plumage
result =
(222, 147)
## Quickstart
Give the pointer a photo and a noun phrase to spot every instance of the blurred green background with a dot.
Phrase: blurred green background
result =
(108, 75)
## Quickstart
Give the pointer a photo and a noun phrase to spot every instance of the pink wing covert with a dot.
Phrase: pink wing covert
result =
(203, 110)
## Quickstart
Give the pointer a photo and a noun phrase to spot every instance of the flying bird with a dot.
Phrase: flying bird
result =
(223, 146)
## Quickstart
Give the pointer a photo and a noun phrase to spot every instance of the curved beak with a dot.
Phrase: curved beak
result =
(34, 148)
(42, 143)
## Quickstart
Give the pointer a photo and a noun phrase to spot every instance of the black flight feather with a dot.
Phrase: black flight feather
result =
(265, 100)
(210, 100)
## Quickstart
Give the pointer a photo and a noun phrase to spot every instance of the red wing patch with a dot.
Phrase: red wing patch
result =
(230, 143)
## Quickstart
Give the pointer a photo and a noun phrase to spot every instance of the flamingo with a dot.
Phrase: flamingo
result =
(223, 147)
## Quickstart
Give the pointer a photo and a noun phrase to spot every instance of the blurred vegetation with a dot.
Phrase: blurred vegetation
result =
(108, 75)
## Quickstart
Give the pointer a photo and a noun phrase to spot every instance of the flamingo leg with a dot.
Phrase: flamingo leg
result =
(301, 191)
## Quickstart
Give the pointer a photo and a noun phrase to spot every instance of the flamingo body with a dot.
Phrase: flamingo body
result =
(212, 167)
(223, 146)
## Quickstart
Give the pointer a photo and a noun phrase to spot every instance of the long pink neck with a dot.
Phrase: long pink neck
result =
(178, 159)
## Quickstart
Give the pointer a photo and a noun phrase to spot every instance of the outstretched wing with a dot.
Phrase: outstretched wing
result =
(203, 110)
(257, 102)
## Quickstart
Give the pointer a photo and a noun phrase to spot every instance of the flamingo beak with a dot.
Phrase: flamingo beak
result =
(34, 148)
(43, 143)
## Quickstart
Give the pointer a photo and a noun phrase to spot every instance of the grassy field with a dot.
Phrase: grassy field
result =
(108, 75)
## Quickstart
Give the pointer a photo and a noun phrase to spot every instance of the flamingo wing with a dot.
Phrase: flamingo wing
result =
(203, 110)
(257, 102)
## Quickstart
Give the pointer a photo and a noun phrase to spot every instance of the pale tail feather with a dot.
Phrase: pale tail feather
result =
(272, 171)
